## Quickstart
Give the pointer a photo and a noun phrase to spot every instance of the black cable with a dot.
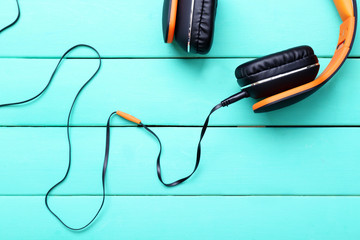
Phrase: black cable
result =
(107, 145)
(198, 155)
(69, 140)
(68, 128)
(16, 19)
(106, 158)
(53, 74)
(224, 103)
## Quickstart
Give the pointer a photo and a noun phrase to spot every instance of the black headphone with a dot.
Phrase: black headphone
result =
(192, 22)
(279, 79)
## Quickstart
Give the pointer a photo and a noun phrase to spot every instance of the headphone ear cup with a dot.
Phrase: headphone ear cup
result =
(278, 72)
(195, 25)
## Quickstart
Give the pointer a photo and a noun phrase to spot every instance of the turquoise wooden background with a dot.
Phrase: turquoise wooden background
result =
(289, 174)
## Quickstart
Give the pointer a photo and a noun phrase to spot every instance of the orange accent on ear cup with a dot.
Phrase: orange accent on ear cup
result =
(172, 22)
(128, 117)
(345, 8)
(347, 31)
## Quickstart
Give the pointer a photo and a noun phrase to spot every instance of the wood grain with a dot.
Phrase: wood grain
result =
(165, 218)
(133, 28)
(295, 179)
(235, 161)
(161, 92)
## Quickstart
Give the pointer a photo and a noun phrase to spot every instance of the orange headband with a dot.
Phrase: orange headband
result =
(348, 13)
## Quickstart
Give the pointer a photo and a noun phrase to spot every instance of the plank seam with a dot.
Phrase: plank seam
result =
(149, 58)
(190, 195)
(182, 126)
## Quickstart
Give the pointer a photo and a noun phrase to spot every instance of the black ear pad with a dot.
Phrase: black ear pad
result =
(203, 25)
(278, 72)
(195, 25)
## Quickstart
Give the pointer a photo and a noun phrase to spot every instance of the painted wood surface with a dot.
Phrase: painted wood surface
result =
(133, 28)
(157, 92)
(186, 217)
(235, 161)
(296, 178)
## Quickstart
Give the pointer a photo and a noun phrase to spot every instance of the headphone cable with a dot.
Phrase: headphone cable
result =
(107, 144)
(224, 103)
(107, 147)
(16, 19)
(235, 98)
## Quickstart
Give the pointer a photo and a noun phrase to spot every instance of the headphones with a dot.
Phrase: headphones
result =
(280, 79)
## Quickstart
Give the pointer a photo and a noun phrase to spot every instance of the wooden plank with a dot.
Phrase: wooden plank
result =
(235, 161)
(133, 28)
(259, 218)
(161, 92)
